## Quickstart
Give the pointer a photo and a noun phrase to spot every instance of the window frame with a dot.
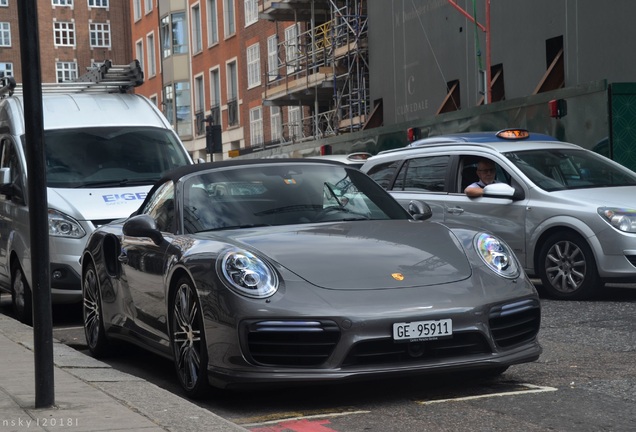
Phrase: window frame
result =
(5, 33)
(95, 33)
(253, 60)
(60, 34)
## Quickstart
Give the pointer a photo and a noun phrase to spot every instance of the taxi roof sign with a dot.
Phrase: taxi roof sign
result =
(511, 134)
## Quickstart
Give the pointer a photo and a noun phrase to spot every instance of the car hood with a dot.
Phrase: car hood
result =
(363, 255)
(94, 204)
(617, 196)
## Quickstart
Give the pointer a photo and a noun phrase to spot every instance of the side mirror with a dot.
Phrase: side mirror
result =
(6, 187)
(420, 210)
(142, 226)
(502, 190)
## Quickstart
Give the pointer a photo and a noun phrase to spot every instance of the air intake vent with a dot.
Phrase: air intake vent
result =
(382, 351)
(292, 343)
(515, 323)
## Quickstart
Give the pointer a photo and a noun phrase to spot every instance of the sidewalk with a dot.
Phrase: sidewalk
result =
(89, 394)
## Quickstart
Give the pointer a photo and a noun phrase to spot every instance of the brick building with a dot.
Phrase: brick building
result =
(73, 35)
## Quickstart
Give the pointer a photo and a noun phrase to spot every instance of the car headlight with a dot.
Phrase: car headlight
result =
(247, 274)
(61, 225)
(621, 219)
(497, 256)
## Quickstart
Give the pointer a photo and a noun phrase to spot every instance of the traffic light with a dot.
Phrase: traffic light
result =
(213, 143)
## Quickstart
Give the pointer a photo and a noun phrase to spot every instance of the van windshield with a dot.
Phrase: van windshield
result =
(110, 156)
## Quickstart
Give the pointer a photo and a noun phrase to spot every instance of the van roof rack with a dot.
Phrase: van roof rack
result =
(104, 78)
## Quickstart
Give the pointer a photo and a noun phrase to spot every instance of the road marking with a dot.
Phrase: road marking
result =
(308, 417)
(531, 389)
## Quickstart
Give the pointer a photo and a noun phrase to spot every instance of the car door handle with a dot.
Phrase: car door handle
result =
(455, 210)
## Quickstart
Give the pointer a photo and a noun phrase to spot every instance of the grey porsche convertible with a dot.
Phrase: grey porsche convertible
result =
(297, 271)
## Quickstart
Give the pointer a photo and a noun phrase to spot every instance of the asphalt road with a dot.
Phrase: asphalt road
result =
(585, 380)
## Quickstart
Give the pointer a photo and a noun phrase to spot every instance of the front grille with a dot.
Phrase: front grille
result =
(292, 343)
(515, 323)
(381, 351)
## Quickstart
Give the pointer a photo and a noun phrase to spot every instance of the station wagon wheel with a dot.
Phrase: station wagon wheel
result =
(187, 338)
(92, 313)
(567, 267)
(21, 295)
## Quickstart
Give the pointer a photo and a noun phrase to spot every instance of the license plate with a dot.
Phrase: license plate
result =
(422, 330)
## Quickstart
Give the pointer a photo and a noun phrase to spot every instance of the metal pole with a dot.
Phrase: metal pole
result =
(37, 201)
(488, 59)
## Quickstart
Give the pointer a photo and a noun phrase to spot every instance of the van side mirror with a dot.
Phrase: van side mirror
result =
(6, 187)
(420, 210)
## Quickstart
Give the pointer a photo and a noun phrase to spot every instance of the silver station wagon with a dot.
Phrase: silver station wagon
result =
(568, 213)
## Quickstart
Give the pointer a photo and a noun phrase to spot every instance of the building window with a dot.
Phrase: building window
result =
(272, 58)
(173, 35)
(251, 12)
(62, 2)
(228, 17)
(295, 123)
(137, 10)
(253, 66)
(139, 53)
(4, 3)
(64, 33)
(183, 108)
(6, 69)
(291, 47)
(215, 96)
(213, 23)
(99, 35)
(98, 3)
(276, 123)
(256, 127)
(148, 6)
(232, 94)
(152, 61)
(168, 103)
(199, 105)
(66, 71)
(197, 41)
(5, 34)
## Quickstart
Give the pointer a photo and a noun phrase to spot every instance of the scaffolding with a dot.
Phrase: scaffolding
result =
(321, 67)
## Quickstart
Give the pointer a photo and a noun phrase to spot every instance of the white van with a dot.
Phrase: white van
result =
(103, 151)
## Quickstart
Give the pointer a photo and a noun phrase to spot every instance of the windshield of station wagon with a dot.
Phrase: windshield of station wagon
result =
(110, 156)
(250, 196)
(564, 169)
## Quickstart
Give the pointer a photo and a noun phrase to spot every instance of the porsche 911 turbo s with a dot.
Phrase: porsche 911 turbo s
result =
(299, 271)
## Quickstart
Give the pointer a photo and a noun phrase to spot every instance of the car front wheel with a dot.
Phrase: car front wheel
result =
(567, 268)
(187, 338)
(21, 296)
(92, 313)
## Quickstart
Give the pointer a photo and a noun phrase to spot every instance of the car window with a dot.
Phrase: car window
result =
(383, 173)
(423, 174)
(11, 160)
(570, 169)
(161, 207)
(278, 196)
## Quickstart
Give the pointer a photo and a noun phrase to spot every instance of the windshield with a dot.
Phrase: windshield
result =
(257, 195)
(563, 169)
(110, 156)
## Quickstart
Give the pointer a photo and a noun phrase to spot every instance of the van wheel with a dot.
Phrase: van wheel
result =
(567, 268)
(21, 296)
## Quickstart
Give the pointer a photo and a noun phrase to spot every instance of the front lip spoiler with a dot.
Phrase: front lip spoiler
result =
(258, 376)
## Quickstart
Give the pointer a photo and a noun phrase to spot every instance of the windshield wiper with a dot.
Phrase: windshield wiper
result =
(113, 183)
